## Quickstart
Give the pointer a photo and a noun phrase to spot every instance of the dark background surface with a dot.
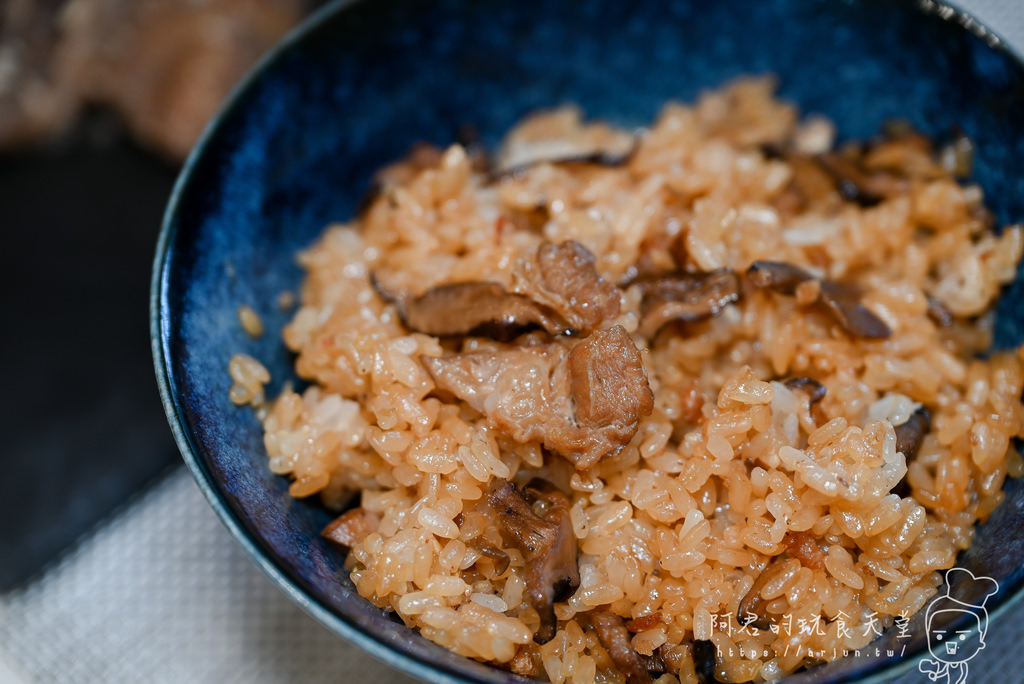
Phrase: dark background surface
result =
(82, 423)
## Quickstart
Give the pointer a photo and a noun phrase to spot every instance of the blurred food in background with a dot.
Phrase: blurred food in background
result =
(164, 66)
(100, 100)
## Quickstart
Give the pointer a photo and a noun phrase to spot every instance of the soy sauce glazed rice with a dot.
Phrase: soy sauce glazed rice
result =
(645, 405)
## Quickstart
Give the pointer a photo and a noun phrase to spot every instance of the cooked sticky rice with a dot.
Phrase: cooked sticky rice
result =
(708, 397)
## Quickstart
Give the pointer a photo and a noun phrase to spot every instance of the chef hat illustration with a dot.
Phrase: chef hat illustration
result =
(972, 593)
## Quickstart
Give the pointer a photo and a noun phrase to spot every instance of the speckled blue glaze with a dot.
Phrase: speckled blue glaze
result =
(294, 149)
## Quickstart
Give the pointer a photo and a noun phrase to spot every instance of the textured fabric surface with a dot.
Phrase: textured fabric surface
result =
(161, 592)
(1004, 17)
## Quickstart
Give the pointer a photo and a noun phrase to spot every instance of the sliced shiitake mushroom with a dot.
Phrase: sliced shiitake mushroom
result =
(685, 297)
(814, 390)
(910, 434)
(548, 545)
(840, 300)
(471, 308)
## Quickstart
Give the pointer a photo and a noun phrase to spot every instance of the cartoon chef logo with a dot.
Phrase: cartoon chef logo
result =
(951, 622)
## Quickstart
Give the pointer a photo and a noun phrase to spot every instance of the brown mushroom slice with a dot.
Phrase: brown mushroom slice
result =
(558, 569)
(809, 183)
(939, 312)
(686, 297)
(351, 527)
(858, 320)
(561, 292)
(854, 184)
(612, 632)
(548, 545)
(840, 300)
(910, 434)
(567, 281)
(471, 308)
(583, 402)
(815, 390)
(810, 180)
(777, 276)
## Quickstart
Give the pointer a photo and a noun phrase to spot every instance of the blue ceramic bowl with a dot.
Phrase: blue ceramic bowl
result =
(351, 90)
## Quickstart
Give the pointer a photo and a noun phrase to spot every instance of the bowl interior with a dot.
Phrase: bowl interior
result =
(295, 148)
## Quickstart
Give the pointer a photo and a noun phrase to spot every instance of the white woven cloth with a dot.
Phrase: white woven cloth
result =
(1005, 17)
(162, 594)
